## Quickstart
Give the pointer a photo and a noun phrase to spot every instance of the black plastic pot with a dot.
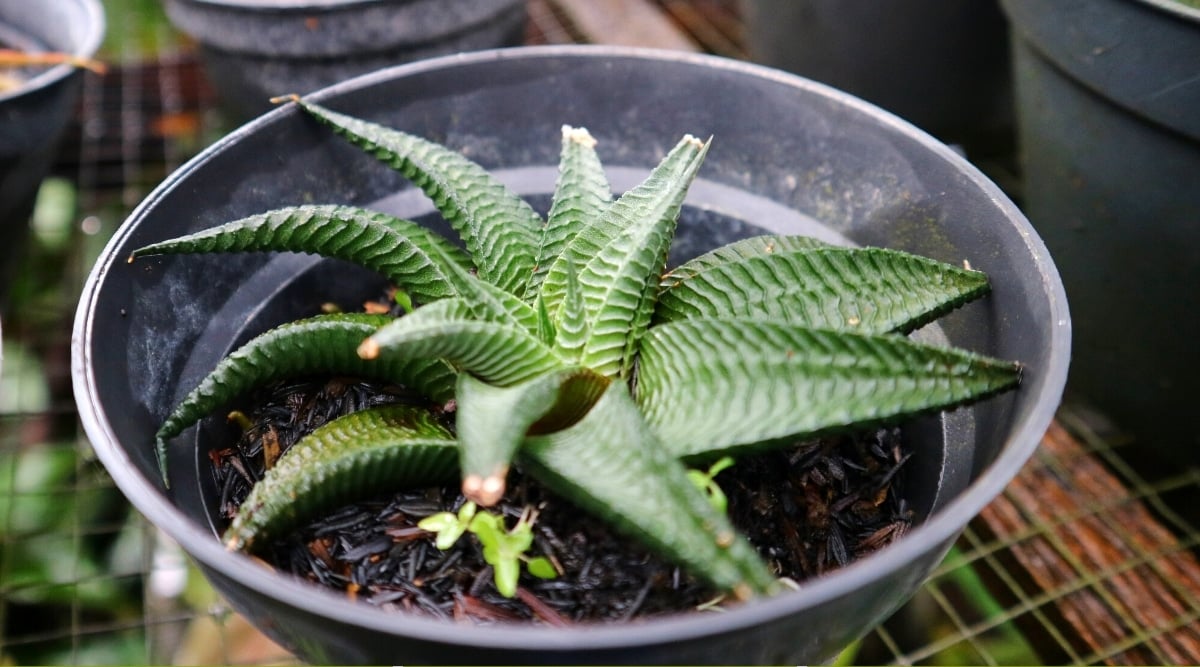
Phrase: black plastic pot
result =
(1108, 95)
(34, 115)
(254, 50)
(787, 153)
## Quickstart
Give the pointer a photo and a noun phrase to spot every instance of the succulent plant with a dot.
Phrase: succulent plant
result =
(566, 347)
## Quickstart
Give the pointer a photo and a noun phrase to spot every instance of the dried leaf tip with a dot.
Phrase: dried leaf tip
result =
(579, 135)
(281, 99)
(368, 349)
(693, 140)
(484, 492)
(743, 592)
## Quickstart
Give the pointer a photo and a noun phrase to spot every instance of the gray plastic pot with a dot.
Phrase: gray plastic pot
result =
(787, 152)
(1108, 97)
(254, 50)
(34, 115)
(942, 65)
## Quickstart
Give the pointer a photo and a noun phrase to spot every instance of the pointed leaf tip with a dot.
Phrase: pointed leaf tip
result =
(488, 491)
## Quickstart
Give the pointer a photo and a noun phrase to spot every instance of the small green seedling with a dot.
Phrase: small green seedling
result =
(449, 526)
(706, 482)
(503, 549)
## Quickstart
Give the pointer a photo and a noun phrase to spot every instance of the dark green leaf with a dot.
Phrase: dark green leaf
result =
(611, 464)
(786, 381)
(571, 330)
(499, 228)
(581, 196)
(599, 231)
(869, 290)
(348, 459)
(732, 253)
(324, 344)
(493, 421)
(619, 284)
(497, 352)
(415, 259)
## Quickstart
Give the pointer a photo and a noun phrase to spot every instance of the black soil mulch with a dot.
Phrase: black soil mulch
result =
(808, 509)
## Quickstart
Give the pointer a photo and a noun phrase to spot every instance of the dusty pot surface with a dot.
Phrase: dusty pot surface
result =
(34, 114)
(788, 156)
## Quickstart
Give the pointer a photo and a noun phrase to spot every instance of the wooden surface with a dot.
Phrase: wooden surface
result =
(1124, 584)
(625, 23)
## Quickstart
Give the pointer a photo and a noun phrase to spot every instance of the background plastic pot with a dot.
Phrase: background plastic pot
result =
(254, 50)
(1108, 95)
(787, 152)
(942, 65)
(33, 116)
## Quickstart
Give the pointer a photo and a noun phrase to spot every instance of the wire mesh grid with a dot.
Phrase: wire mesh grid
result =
(1101, 568)
(1089, 557)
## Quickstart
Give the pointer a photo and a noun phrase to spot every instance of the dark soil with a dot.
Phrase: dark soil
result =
(808, 509)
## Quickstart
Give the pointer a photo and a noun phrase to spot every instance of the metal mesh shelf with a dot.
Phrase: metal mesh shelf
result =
(1088, 557)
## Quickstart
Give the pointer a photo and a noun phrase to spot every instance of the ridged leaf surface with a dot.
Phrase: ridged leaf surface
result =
(348, 459)
(870, 290)
(731, 253)
(493, 304)
(571, 331)
(620, 282)
(498, 353)
(612, 465)
(326, 344)
(599, 231)
(500, 230)
(581, 195)
(492, 421)
(409, 255)
(709, 385)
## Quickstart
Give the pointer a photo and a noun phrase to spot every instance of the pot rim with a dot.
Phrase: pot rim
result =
(1175, 7)
(281, 6)
(938, 529)
(91, 15)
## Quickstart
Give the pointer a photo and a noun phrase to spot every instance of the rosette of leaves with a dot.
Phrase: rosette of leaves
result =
(567, 349)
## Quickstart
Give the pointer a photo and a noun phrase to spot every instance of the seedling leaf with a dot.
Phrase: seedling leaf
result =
(541, 567)
(448, 526)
